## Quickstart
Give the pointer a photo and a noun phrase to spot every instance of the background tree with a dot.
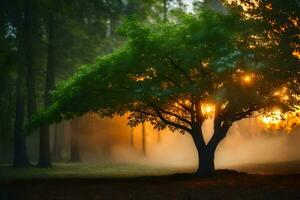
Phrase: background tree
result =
(79, 36)
(13, 60)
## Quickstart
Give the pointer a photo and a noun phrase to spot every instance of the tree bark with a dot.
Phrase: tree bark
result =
(165, 9)
(20, 149)
(57, 142)
(143, 139)
(206, 152)
(206, 164)
(131, 138)
(205, 159)
(75, 134)
(45, 157)
(30, 75)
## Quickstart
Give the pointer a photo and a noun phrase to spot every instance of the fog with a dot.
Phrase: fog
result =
(247, 142)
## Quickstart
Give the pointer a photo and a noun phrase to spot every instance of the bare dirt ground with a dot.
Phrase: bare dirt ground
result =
(224, 185)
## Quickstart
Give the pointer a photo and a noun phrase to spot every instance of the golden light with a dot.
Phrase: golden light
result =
(223, 106)
(277, 120)
(187, 102)
(296, 54)
(208, 109)
(285, 98)
(282, 94)
(247, 78)
(274, 117)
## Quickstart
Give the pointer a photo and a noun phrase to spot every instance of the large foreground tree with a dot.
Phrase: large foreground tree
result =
(176, 75)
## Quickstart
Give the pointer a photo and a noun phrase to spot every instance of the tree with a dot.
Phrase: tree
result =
(20, 150)
(176, 75)
(12, 60)
(29, 57)
(57, 141)
(143, 138)
(74, 142)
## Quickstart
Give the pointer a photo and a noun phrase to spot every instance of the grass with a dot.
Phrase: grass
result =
(82, 170)
(115, 181)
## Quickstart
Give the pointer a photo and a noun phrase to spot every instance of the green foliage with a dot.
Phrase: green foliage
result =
(108, 87)
(167, 70)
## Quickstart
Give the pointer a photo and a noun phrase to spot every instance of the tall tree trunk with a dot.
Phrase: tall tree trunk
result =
(20, 158)
(144, 139)
(131, 138)
(57, 142)
(74, 136)
(165, 9)
(158, 137)
(45, 157)
(30, 75)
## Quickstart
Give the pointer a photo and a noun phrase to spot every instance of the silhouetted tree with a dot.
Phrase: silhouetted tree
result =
(75, 138)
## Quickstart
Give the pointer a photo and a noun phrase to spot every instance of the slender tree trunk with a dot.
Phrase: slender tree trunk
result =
(131, 138)
(30, 75)
(144, 138)
(57, 142)
(165, 10)
(20, 149)
(75, 134)
(45, 157)
(158, 137)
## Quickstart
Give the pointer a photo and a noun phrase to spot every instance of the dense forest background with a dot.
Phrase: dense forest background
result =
(44, 42)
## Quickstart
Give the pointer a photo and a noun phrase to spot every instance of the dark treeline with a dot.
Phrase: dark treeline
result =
(41, 43)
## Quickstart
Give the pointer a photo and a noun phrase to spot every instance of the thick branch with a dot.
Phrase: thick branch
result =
(220, 130)
(179, 126)
(199, 117)
(175, 115)
(155, 107)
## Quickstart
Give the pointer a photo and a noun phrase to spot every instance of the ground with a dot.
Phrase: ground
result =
(119, 181)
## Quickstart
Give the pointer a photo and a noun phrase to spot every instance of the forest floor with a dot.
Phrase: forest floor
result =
(79, 181)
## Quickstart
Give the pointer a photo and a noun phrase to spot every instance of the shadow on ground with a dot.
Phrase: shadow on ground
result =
(224, 185)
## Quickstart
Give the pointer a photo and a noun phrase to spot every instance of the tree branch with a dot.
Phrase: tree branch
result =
(163, 119)
(180, 69)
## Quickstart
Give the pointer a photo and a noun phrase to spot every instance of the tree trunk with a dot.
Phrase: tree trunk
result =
(158, 137)
(206, 164)
(206, 153)
(75, 151)
(131, 138)
(45, 157)
(28, 39)
(57, 142)
(143, 139)
(20, 150)
(165, 9)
